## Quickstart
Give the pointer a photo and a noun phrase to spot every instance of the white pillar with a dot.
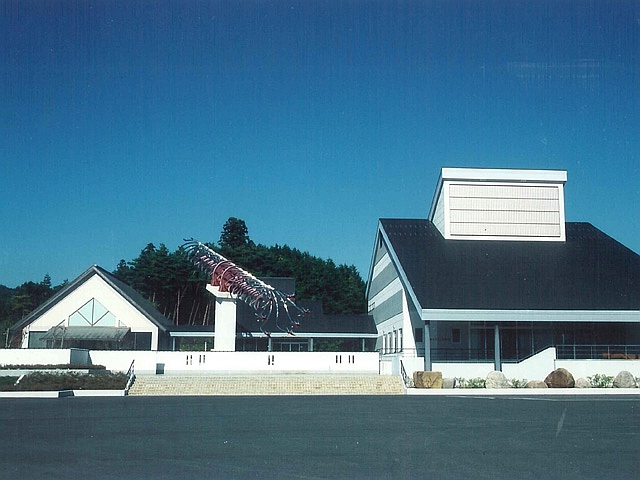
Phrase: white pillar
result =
(225, 322)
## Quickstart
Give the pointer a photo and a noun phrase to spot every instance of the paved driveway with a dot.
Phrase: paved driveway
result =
(320, 437)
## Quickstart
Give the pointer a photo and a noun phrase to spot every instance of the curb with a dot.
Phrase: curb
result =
(523, 392)
(64, 394)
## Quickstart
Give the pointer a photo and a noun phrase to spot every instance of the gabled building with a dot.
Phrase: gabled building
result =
(95, 311)
(496, 273)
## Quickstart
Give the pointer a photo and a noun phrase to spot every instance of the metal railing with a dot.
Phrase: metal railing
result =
(597, 352)
(131, 376)
(563, 352)
(408, 381)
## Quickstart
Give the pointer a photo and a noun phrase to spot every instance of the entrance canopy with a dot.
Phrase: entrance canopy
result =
(104, 334)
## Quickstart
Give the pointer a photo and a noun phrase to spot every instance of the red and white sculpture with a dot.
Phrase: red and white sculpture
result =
(271, 306)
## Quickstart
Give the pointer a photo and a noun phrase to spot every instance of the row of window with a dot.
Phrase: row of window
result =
(393, 341)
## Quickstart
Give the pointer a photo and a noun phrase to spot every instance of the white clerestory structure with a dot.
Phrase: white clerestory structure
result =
(500, 204)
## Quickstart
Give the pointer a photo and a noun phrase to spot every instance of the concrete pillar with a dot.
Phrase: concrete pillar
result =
(496, 343)
(427, 347)
(311, 344)
(225, 323)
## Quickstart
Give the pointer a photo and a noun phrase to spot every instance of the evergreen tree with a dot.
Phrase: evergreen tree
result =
(234, 234)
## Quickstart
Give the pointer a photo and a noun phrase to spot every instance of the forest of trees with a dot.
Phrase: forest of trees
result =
(177, 288)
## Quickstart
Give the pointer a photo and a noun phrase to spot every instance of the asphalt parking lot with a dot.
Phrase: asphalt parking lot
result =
(315, 437)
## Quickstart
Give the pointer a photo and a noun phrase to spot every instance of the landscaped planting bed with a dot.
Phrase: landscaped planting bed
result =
(40, 381)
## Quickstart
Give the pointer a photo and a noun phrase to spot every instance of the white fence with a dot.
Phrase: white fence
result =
(193, 363)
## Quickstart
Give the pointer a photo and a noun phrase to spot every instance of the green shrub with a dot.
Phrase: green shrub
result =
(600, 381)
(7, 383)
(471, 383)
(515, 383)
(39, 381)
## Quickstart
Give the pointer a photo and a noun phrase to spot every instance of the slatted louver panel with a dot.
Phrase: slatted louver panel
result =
(504, 211)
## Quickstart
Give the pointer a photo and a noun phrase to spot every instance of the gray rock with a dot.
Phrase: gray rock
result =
(448, 383)
(496, 380)
(624, 380)
(560, 378)
(582, 383)
(536, 384)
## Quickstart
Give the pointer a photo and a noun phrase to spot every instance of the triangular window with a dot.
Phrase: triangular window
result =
(93, 314)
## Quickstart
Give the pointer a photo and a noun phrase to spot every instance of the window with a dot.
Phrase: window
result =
(93, 314)
(455, 335)
(418, 334)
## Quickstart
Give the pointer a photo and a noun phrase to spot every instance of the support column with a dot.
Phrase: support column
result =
(496, 344)
(427, 347)
(225, 322)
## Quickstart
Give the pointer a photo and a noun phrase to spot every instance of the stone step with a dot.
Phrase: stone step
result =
(267, 385)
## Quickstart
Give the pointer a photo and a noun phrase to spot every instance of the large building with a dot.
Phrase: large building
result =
(495, 273)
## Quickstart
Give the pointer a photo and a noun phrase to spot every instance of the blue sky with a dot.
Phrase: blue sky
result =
(124, 123)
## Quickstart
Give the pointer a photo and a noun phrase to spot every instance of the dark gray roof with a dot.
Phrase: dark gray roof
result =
(590, 271)
(143, 305)
(315, 322)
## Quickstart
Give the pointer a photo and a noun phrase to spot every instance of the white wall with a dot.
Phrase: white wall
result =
(186, 363)
(463, 370)
(587, 368)
(40, 356)
(413, 364)
(533, 368)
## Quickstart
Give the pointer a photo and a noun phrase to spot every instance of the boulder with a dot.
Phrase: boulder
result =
(560, 378)
(427, 379)
(448, 382)
(496, 380)
(536, 384)
(582, 383)
(624, 380)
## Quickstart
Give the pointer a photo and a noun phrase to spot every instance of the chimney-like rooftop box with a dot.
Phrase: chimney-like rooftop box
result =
(500, 204)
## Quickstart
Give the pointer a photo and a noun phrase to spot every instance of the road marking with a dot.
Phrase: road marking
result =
(561, 422)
